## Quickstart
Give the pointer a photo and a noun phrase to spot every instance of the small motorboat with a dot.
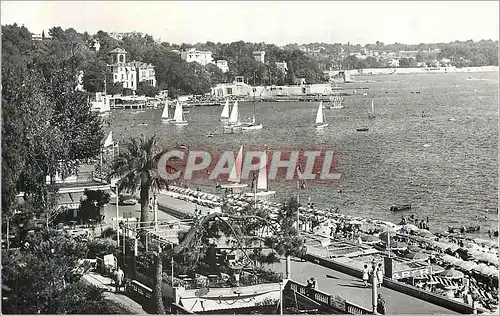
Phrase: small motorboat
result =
(463, 229)
(398, 208)
(209, 135)
(362, 129)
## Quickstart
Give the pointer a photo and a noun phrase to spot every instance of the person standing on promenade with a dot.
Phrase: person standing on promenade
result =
(365, 275)
(380, 275)
(380, 305)
(119, 279)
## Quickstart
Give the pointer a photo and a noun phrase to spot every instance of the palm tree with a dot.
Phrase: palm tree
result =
(136, 166)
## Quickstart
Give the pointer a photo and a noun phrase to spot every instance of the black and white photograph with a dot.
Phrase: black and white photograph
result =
(250, 157)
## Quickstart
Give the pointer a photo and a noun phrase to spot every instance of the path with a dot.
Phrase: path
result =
(353, 290)
(106, 284)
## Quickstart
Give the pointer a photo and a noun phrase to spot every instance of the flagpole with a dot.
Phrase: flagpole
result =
(298, 205)
(255, 192)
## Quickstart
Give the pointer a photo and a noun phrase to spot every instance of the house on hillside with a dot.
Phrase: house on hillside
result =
(259, 56)
(222, 65)
(130, 73)
(282, 66)
(201, 57)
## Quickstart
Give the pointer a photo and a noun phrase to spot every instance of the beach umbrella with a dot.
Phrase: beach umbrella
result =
(436, 269)
(424, 233)
(419, 255)
(466, 265)
(450, 259)
(490, 271)
(355, 222)
(452, 274)
(396, 245)
(479, 268)
(414, 248)
(369, 239)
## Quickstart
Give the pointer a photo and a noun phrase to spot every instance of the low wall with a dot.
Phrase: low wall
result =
(173, 212)
(397, 286)
(428, 296)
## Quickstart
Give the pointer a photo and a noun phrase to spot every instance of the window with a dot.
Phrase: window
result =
(123, 76)
(151, 73)
(143, 73)
(116, 76)
(122, 58)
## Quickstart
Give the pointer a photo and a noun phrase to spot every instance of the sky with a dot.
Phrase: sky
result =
(278, 22)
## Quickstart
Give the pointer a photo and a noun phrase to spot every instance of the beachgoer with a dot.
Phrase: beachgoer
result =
(365, 275)
(380, 275)
(380, 304)
(309, 285)
(314, 285)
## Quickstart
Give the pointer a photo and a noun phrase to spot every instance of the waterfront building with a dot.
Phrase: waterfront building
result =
(201, 57)
(222, 65)
(130, 73)
(259, 56)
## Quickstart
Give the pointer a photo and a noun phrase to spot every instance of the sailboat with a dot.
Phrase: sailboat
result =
(235, 174)
(179, 115)
(320, 117)
(372, 113)
(224, 116)
(261, 185)
(337, 102)
(252, 126)
(165, 115)
(234, 119)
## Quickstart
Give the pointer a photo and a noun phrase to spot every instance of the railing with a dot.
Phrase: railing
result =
(354, 309)
(330, 301)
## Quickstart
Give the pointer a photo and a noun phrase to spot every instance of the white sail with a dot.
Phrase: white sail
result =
(225, 110)
(235, 175)
(319, 115)
(373, 108)
(262, 180)
(235, 115)
(109, 140)
(178, 112)
(165, 115)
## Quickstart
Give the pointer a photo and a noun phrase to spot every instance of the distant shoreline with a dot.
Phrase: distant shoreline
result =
(390, 71)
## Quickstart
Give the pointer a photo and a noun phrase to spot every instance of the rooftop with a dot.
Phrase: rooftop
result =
(118, 50)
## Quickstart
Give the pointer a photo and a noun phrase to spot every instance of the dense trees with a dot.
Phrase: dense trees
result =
(47, 129)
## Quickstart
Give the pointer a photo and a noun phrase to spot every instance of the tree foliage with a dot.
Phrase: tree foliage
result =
(39, 271)
(91, 206)
(136, 166)
(47, 125)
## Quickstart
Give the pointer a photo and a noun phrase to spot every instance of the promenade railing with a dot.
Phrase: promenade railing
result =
(335, 302)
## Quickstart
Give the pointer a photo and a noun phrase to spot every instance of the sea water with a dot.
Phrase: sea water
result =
(445, 164)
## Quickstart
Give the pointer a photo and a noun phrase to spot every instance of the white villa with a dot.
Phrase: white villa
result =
(222, 64)
(282, 66)
(130, 73)
(201, 57)
(259, 56)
